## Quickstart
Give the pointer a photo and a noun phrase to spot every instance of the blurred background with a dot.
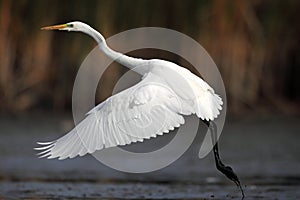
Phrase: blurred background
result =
(256, 46)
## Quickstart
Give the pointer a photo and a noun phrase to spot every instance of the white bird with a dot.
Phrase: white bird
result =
(154, 106)
(166, 92)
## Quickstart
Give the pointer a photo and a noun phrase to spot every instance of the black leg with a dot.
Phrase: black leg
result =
(226, 170)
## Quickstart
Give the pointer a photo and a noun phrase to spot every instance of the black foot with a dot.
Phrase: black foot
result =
(226, 170)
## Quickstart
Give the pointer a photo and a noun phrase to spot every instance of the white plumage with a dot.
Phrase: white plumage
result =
(154, 106)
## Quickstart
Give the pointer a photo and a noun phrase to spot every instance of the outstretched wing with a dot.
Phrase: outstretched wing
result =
(145, 110)
(152, 107)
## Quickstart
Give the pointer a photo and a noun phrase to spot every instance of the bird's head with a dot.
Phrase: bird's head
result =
(71, 26)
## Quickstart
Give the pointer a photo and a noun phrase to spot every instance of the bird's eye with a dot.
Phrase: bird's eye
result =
(70, 25)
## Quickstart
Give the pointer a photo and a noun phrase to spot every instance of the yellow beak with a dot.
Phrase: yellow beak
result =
(55, 27)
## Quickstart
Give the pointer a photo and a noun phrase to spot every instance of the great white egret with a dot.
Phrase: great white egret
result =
(175, 89)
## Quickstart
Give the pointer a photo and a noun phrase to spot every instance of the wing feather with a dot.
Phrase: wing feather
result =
(140, 112)
(152, 107)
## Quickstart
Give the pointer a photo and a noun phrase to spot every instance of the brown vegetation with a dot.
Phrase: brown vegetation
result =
(254, 43)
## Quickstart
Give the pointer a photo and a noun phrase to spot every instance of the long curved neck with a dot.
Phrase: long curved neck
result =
(125, 60)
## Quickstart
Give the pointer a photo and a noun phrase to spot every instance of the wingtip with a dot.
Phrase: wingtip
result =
(44, 143)
(43, 147)
(45, 155)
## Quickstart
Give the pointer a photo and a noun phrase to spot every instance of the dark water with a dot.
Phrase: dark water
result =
(140, 190)
(264, 152)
